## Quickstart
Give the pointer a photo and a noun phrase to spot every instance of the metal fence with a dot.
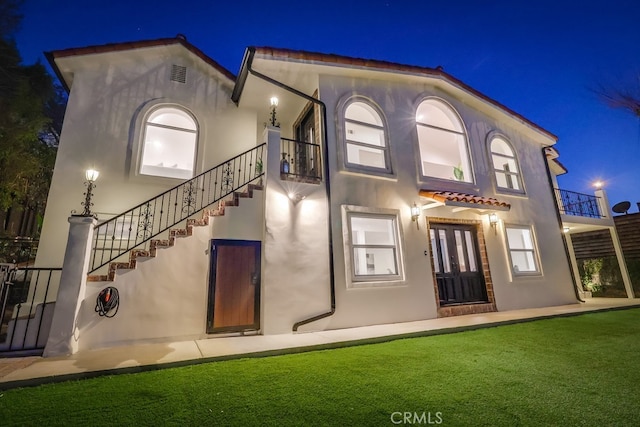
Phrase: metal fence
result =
(577, 204)
(26, 307)
(18, 250)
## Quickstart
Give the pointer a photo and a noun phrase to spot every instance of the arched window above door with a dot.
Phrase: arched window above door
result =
(442, 141)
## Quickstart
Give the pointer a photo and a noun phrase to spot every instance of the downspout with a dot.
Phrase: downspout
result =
(248, 60)
(564, 239)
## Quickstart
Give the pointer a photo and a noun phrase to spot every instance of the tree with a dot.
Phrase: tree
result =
(624, 96)
(10, 17)
(32, 112)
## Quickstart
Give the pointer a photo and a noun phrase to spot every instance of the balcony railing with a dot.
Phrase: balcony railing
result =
(300, 161)
(578, 204)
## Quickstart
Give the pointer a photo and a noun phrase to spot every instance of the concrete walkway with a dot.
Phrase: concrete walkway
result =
(27, 371)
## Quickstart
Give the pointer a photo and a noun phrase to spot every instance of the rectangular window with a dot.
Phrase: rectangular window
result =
(372, 248)
(520, 242)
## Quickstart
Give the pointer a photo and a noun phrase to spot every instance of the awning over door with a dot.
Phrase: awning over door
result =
(462, 201)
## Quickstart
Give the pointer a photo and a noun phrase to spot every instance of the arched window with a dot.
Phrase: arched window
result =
(443, 143)
(505, 165)
(169, 144)
(365, 138)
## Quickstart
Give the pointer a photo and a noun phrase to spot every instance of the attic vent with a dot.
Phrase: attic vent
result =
(178, 74)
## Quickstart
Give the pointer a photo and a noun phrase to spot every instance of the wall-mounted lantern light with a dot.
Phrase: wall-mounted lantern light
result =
(91, 175)
(598, 184)
(296, 197)
(415, 214)
(493, 222)
(272, 119)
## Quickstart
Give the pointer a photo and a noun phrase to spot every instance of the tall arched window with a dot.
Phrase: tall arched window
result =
(169, 144)
(443, 143)
(365, 138)
(505, 165)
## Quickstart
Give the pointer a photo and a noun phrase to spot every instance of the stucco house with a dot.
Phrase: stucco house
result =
(309, 192)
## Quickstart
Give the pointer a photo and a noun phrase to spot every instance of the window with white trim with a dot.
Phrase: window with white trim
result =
(169, 144)
(442, 142)
(522, 252)
(505, 165)
(373, 246)
(365, 137)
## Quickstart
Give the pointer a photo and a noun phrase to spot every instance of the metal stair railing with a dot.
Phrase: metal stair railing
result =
(133, 228)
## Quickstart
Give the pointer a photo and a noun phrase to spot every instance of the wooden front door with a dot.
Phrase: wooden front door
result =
(457, 264)
(234, 286)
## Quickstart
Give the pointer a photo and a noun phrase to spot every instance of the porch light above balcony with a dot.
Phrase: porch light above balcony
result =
(272, 115)
(91, 175)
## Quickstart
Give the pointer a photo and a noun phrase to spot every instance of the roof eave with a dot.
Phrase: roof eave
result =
(52, 56)
(386, 66)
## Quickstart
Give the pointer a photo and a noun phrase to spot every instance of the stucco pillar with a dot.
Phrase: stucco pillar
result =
(574, 267)
(295, 268)
(603, 202)
(621, 262)
(63, 338)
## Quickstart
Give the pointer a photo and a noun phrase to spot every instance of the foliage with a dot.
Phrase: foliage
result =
(458, 173)
(625, 96)
(32, 112)
(591, 268)
(633, 266)
(566, 371)
(602, 276)
(10, 17)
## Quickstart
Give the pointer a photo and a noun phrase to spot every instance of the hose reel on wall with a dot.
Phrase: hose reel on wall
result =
(108, 302)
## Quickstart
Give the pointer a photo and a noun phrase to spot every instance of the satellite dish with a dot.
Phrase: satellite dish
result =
(621, 207)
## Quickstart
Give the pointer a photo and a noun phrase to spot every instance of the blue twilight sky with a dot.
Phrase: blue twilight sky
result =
(537, 57)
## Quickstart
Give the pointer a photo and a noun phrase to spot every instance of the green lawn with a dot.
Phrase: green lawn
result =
(566, 371)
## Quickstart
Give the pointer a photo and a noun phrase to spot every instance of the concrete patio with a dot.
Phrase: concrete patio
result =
(33, 370)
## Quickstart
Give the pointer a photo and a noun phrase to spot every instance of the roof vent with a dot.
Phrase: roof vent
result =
(178, 74)
(181, 36)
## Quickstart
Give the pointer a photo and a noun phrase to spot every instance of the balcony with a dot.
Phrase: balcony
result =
(300, 161)
(578, 204)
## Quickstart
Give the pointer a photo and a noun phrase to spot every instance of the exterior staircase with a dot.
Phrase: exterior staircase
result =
(121, 240)
(187, 231)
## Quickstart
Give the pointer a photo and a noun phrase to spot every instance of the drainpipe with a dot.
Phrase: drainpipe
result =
(564, 240)
(248, 60)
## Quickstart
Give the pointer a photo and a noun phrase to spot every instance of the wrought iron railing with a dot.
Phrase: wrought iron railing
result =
(26, 307)
(133, 228)
(578, 204)
(300, 160)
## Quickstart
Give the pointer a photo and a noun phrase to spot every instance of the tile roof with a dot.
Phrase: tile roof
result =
(332, 58)
(452, 198)
(116, 47)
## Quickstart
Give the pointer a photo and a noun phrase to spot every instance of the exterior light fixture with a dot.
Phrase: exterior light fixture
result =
(272, 119)
(598, 184)
(415, 214)
(565, 229)
(493, 222)
(295, 197)
(284, 166)
(91, 175)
